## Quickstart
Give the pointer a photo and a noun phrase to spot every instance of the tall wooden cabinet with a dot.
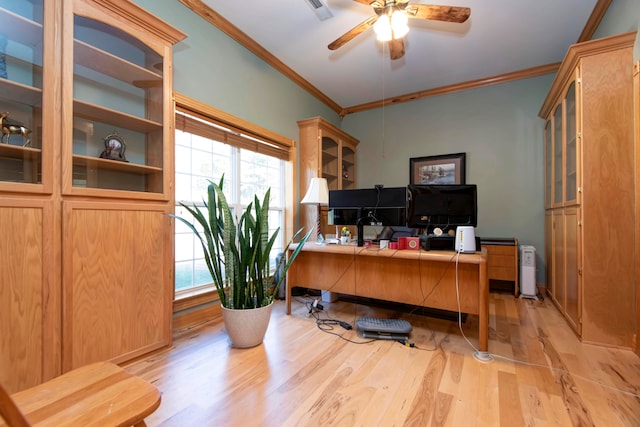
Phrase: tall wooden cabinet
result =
(589, 190)
(87, 268)
(326, 152)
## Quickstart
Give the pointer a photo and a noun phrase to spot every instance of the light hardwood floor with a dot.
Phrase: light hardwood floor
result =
(302, 376)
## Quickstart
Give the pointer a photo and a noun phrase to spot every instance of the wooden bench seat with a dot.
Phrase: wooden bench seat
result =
(99, 394)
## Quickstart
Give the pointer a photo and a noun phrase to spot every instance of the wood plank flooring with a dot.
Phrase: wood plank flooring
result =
(303, 376)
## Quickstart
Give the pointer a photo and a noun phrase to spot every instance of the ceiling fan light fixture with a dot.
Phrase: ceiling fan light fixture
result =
(399, 24)
(392, 25)
(382, 27)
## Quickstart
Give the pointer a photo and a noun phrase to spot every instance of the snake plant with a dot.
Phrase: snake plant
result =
(237, 254)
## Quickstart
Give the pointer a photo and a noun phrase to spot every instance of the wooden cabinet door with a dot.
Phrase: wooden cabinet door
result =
(117, 275)
(26, 58)
(557, 156)
(330, 161)
(548, 164)
(548, 252)
(558, 259)
(117, 84)
(571, 146)
(348, 172)
(573, 270)
(29, 305)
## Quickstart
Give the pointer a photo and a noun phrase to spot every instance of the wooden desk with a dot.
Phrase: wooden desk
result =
(424, 278)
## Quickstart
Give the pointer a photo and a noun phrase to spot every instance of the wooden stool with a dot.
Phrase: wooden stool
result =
(100, 394)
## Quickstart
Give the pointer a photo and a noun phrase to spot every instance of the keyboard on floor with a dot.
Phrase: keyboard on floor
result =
(386, 326)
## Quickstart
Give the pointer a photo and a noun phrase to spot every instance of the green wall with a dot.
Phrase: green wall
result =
(496, 126)
(212, 68)
(499, 130)
(621, 17)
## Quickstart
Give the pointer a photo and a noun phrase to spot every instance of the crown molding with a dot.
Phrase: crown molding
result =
(208, 14)
(201, 9)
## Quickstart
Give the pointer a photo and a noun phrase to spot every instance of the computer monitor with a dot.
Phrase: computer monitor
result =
(382, 206)
(443, 206)
(368, 206)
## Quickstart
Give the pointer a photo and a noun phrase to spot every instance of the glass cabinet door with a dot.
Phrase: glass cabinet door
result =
(571, 183)
(329, 162)
(348, 173)
(117, 110)
(21, 71)
(557, 155)
(548, 164)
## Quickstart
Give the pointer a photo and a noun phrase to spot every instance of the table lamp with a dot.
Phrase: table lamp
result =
(317, 194)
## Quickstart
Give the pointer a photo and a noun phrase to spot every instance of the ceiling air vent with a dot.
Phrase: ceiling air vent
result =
(320, 9)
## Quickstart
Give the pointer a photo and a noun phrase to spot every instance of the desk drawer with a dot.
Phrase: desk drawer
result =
(496, 260)
(502, 261)
(502, 273)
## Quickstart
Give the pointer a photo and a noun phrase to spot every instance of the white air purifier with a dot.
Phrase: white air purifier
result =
(528, 287)
(465, 240)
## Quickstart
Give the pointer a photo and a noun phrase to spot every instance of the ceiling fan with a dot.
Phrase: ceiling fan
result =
(390, 21)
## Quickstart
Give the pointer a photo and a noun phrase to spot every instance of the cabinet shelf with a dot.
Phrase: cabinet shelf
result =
(17, 152)
(114, 165)
(329, 155)
(114, 66)
(18, 92)
(106, 115)
(23, 30)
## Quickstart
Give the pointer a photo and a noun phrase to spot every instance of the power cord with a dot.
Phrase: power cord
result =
(553, 369)
(328, 324)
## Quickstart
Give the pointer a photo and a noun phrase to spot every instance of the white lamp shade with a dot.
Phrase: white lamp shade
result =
(317, 193)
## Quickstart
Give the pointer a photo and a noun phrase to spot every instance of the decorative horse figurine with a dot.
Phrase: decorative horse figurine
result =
(9, 129)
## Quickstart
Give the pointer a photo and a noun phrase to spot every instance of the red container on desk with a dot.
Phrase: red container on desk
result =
(411, 243)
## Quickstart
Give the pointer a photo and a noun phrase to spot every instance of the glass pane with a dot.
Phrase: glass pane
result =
(117, 110)
(329, 165)
(557, 156)
(348, 168)
(570, 138)
(548, 156)
(21, 71)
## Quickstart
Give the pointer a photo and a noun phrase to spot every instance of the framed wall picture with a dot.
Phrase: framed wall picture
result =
(443, 169)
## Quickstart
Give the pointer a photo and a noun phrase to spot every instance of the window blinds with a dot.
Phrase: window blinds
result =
(207, 127)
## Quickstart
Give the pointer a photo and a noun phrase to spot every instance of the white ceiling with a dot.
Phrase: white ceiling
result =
(501, 36)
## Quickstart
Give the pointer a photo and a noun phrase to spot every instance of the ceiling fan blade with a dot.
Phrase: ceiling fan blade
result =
(438, 13)
(349, 35)
(396, 48)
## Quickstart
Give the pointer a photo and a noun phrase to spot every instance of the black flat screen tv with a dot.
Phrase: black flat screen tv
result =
(443, 206)
(386, 206)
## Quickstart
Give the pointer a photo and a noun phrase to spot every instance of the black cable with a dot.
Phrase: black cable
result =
(327, 325)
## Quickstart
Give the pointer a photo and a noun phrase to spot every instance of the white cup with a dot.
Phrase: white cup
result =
(384, 244)
(344, 240)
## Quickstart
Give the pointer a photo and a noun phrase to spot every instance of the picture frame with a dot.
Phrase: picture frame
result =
(441, 169)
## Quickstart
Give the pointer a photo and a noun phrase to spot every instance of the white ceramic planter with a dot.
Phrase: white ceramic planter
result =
(246, 328)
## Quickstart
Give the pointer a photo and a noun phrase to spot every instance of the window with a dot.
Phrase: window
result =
(206, 149)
